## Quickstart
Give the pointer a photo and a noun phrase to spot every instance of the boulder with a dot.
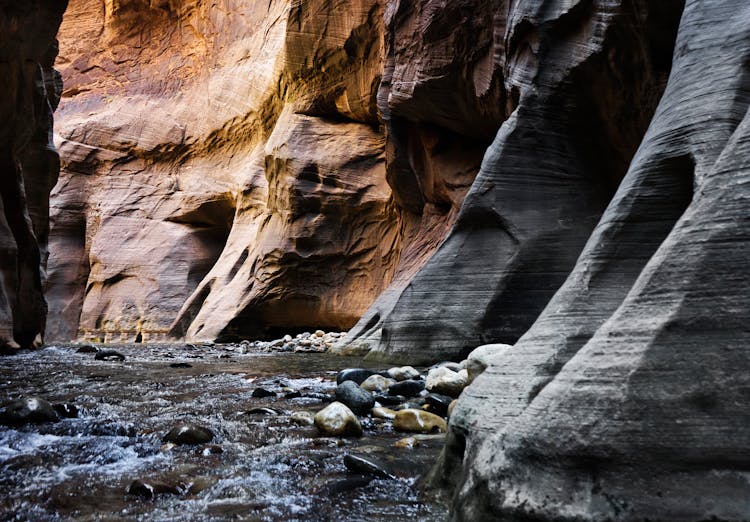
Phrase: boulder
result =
(352, 395)
(338, 420)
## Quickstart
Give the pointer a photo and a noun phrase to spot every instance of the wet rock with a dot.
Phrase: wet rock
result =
(31, 410)
(454, 366)
(406, 443)
(211, 449)
(403, 373)
(181, 365)
(146, 488)
(377, 383)
(357, 375)
(109, 355)
(439, 404)
(189, 434)
(389, 400)
(408, 388)
(478, 359)
(352, 395)
(445, 381)
(302, 418)
(262, 411)
(348, 484)
(87, 348)
(419, 421)
(261, 393)
(383, 413)
(66, 411)
(364, 466)
(338, 420)
(295, 394)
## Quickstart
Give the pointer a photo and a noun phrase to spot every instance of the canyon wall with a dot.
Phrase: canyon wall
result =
(29, 164)
(237, 170)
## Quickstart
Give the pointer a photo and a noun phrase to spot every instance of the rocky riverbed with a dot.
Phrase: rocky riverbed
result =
(199, 432)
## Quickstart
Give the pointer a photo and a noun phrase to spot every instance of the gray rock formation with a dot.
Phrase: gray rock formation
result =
(627, 399)
(29, 164)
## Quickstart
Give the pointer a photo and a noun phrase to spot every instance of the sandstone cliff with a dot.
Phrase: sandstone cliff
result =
(29, 164)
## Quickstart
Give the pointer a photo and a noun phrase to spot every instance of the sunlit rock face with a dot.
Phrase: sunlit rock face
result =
(29, 164)
(627, 399)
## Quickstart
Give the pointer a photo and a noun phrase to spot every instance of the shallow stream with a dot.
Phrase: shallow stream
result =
(258, 467)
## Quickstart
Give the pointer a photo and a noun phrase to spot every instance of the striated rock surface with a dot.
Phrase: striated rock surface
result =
(627, 399)
(29, 164)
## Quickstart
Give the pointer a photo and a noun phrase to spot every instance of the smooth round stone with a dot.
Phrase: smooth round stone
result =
(319, 333)
(383, 413)
(446, 382)
(409, 388)
(389, 400)
(351, 483)
(302, 418)
(361, 465)
(189, 434)
(358, 400)
(419, 421)
(338, 420)
(377, 383)
(438, 403)
(357, 375)
(406, 443)
(403, 373)
(261, 393)
(31, 410)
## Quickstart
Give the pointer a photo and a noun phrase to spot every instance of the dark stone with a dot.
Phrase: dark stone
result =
(438, 403)
(358, 375)
(408, 388)
(87, 348)
(261, 393)
(352, 395)
(261, 411)
(106, 355)
(149, 489)
(189, 434)
(31, 410)
(390, 400)
(66, 411)
(293, 395)
(181, 365)
(364, 466)
(348, 484)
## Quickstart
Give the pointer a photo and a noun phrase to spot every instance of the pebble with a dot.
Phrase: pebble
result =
(419, 421)
(377, 383)
(358, 400)
(408, 388)
(338, 420)
(363, 466)
(445, 381)
(188, 434)
(403, 373)
(302, 418)
(357, 375)
(31, 410)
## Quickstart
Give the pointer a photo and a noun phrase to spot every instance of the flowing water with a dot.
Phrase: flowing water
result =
(258, 467)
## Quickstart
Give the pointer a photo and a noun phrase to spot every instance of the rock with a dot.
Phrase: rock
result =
(364, 466)
(293, 394)
(181, 365)
(383, 413)
(353, 396)
(149, 489)
(319, 333)
(108, 355)
(377, 383)
(262, 411)
(87, 348)
(31, 410)
(452, 406)
(357, 375)
(406, 443)
(338, 420)
(418, 421)
(409, 388)
(261, 393)
(188, 434)
(302, 418)
(211, 449)
(446, 382)
(66, 411)
(478, 359)
(287, 338)
(403, 373)
(439, 403)
(348, 484)
(389, 400)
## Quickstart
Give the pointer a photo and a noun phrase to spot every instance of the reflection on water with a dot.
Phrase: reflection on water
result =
(258, 467)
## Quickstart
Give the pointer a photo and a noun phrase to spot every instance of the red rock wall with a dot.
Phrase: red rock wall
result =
(29, 164)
